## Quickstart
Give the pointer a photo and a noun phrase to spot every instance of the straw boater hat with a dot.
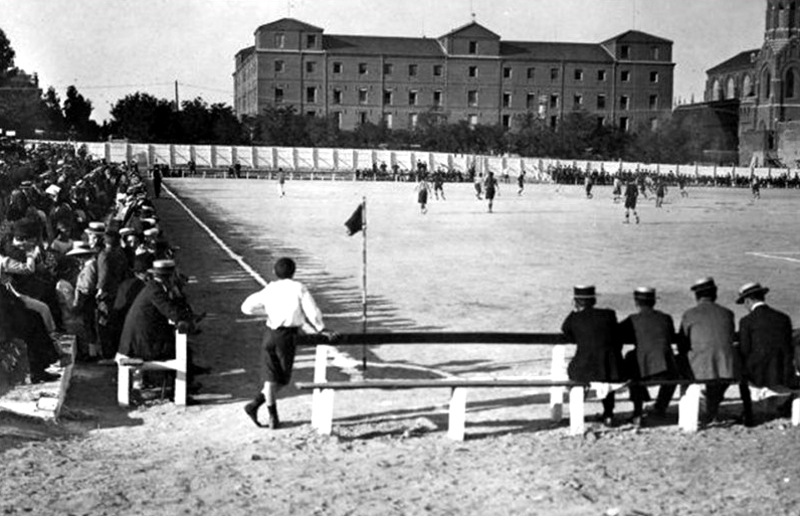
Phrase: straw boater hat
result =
(704, 285)
(80, 249)
(584, 292)
(53, 190)
(750, 289)
(98, 228)
(644, 294)
(162, 267)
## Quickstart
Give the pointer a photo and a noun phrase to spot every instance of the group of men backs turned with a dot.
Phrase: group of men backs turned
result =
(707, 350)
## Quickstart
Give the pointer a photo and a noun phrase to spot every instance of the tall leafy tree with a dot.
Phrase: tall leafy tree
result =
(77, 111)
(52, 108)
(134, 116)
(7, 56)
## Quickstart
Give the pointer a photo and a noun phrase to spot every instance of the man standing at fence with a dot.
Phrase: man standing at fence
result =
(157, 178)
(289, 307)
(706, 341)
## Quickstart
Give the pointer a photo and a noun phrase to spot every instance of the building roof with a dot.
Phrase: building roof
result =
(289, 24)
(737, 62)
(472, 28)
(378, 45)
(546, 51)
(245, 52)
(636, 36)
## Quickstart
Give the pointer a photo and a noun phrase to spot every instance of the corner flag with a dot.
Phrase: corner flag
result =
(356, 221)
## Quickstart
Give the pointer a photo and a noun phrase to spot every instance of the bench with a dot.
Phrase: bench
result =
(557, 382)
(128, 367)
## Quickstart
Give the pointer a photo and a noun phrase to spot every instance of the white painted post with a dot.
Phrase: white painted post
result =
(123, 386)
(457, 421)
(325, 412)
(577, 417)
(558, 372)
(796, 411)
(318, 400)
(181, 367)
(689, 408)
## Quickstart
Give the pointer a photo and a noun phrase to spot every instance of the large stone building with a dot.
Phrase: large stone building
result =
(766, 83)
(467, 74)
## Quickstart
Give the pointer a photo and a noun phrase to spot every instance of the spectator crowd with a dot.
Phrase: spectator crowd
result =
(82, 253)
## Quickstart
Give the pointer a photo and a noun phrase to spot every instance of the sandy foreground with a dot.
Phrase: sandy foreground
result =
(455, 269)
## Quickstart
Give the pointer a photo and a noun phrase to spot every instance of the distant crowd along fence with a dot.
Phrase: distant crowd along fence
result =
(321, 160)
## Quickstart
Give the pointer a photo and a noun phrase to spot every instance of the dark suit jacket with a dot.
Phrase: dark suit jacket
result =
(598, 357)
(765, 342)
(147, 332)
(652, 332)
(706, 339)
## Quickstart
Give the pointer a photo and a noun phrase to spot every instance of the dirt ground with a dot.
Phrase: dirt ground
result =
(455, 269)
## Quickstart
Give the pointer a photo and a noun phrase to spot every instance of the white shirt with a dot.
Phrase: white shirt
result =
(11, 266)
(286, 303)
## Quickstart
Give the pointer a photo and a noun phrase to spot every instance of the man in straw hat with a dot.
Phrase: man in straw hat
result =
(289, 307)
(598, 356)
(765, 344)
(706, 340)
(84, 302)
(112, 269)
(652, 332)
(148, 331)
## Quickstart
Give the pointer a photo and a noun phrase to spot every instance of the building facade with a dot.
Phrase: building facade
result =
(468, 74)
(766, 82)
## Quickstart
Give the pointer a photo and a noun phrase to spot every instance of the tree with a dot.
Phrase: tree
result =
(52, 109)
(7, 56)
(135, 116)
(226, 128)
(195, 122)
(281, 125)
(77, 111)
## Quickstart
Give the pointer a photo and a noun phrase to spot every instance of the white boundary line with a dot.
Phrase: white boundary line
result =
(240, 260)
(773, 257)
(341, 359)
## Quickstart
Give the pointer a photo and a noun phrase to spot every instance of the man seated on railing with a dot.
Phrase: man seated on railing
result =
(706, 339)
(765, 346)
(652, 332)
(598, 354)
(128, 291)
(148, 332)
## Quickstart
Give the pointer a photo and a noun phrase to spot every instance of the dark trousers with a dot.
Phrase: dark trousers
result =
(639, 394)
(715, 393)
(608, 405)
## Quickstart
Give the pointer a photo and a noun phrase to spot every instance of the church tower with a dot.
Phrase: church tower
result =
(783, 20)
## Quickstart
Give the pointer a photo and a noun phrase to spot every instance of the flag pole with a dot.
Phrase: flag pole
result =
(364, 278)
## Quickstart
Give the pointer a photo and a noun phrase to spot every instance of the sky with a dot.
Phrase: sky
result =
(112, 48)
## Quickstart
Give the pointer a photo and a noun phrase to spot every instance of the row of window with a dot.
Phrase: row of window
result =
(531, 100)
(362, 117)
(280, 40)
(472, 71)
